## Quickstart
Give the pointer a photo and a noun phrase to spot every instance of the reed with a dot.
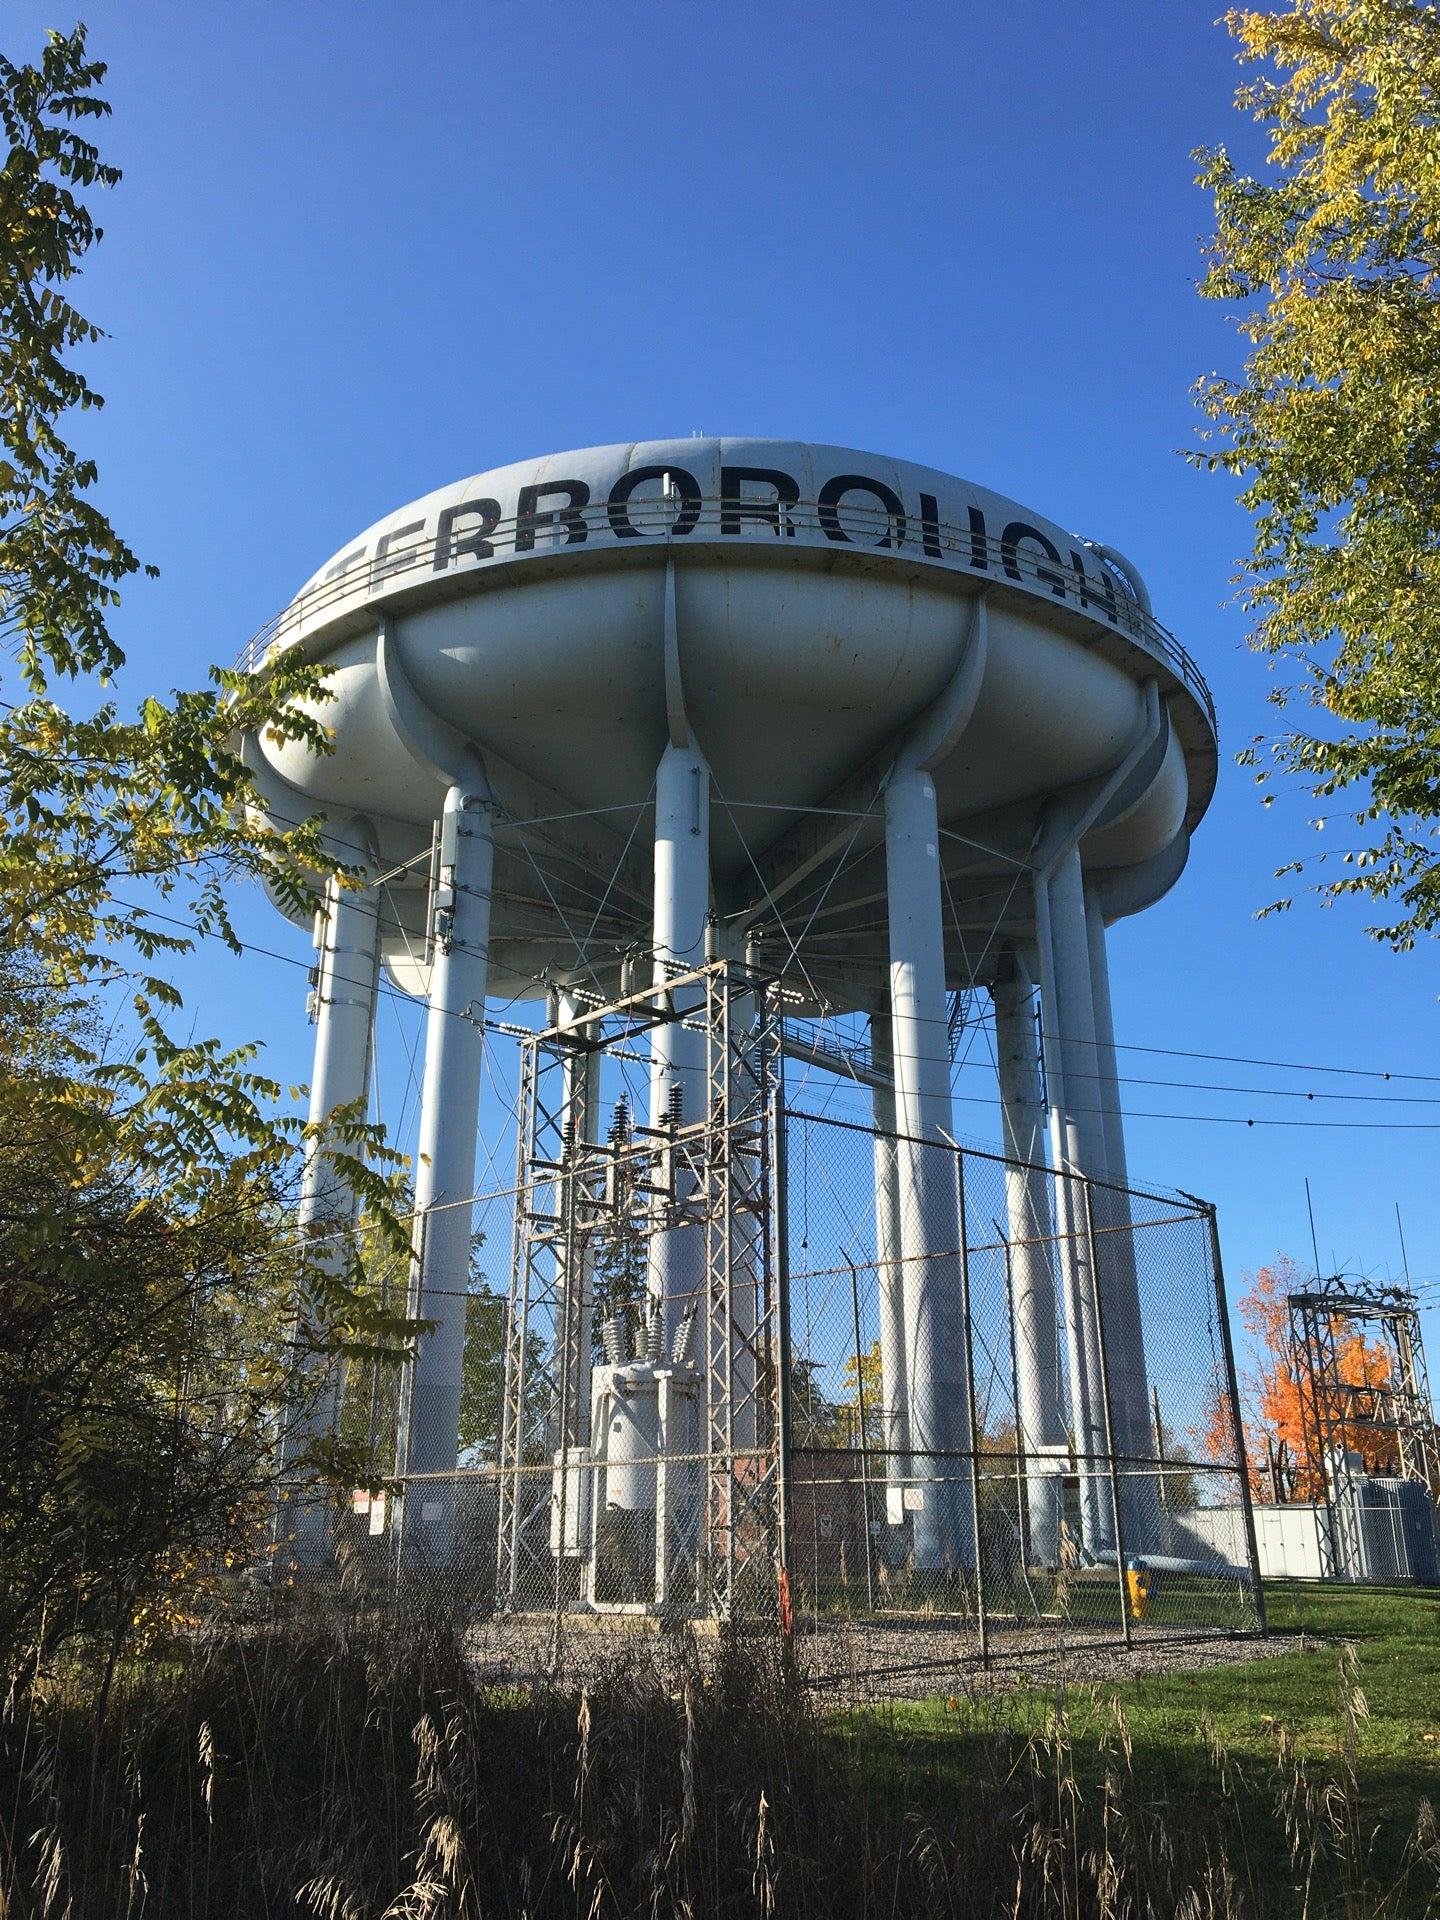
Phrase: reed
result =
(344, 1772)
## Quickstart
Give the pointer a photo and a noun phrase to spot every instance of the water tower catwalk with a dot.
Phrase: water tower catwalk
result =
(705, 746)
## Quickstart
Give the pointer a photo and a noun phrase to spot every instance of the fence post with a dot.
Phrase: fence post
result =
(968, 1335)
(1232, 1386)
(1159, 1443)
(1115, 1502)
(864, 1435)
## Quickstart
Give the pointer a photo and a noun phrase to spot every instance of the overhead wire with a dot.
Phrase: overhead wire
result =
(403, 999)
(1388, 1075)
(774, 905)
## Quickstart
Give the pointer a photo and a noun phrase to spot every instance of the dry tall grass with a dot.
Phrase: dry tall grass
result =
(335, 1774)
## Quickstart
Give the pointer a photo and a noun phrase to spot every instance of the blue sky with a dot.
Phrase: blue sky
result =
(362, 249)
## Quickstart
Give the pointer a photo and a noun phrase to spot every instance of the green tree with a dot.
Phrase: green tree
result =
(142, 1349)
(864, 1387)
(93, 802)
(1331, 261)
(816, 1420)
(482, 1380)
(146, 1274)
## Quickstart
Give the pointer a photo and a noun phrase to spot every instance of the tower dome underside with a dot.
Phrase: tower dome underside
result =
(800, 615)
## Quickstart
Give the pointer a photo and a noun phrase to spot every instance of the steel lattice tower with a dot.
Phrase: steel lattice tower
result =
(1322, 1320)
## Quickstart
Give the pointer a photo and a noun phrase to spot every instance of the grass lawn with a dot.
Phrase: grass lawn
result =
(1220, 1745)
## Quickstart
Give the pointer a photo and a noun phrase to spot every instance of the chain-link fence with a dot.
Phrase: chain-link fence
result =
(913, 1404)
(1012, 1415)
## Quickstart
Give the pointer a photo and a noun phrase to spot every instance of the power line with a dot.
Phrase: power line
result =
(1139, 1113)
(639, 807)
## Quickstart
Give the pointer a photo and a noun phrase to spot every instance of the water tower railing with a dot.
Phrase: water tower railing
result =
(1103, 595)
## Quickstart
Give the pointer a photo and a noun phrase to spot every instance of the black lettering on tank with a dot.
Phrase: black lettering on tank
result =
(930, 527)
(387, 560)
(1019, 530)
(1092, 586)
(529, 520)
(449, 545)
(344, 564)
(736, 507)
(834, 491)
(979, 540)
(684, 483)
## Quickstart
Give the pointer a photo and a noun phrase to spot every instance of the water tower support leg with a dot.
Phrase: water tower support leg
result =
(675, 1268)
(344, 1010)
(1124, 1322)
(1078, 1145)
(445, 1170)
(1031, 1270)
(936, 1336)
(895, 1422)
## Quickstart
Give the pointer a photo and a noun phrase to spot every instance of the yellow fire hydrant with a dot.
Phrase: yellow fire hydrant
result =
(1137, 1588)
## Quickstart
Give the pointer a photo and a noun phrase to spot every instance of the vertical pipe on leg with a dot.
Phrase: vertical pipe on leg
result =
(445, 1169)
(675, 1263)
(936, 1337)
(1106, 1069)
(1040, 1424)
(895, 1421)
(347, 936)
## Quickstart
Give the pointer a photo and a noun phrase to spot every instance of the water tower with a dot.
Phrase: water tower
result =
(647, 706)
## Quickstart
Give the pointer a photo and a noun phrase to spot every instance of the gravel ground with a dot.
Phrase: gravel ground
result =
(854, 1660)
(906, 1660)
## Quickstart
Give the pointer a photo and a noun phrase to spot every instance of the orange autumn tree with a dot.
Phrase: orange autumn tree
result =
(1276, 1394)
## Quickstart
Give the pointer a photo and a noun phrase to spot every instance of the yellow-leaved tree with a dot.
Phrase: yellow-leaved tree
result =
(1329, 257)
(1278, 1392)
